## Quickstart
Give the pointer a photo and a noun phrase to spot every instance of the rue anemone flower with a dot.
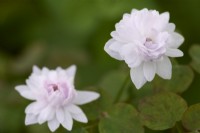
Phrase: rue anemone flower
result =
(55, 99)
(145, 40)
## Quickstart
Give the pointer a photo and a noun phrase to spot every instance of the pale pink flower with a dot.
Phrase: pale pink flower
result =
(55, 98)
(145, 39)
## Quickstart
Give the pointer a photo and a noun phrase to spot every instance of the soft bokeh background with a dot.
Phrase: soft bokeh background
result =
(64, 32)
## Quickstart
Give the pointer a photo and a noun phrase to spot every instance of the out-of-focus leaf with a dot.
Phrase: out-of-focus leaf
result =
(122, 118)
(161, 111)
(195, 55)
(146, 90)
(113, 82)
(96, 109)
(182, 77)
(191, 118)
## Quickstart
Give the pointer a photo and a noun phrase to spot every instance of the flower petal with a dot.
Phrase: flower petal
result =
(34, 108)
(170, 27)
(149, 69)
(30, 119)
(174, 52)
(84, 97)
(53, 124)
(60, 115)
(46, 115)
(25, 92)
(36, 70)
(164, 68)
(175, 40)
(77, 113)
(137, 76)
(130, 55)
(68, 122)
(71, 71)
(114, 45)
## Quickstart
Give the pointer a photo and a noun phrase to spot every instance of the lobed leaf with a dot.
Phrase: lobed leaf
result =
(195, 55)
(162, 110)
(191, 118)
(122, 118)
(182, 77)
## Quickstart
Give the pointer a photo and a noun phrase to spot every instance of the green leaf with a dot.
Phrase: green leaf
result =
(162, 110)
(96, 109)
(122, 118)
(191, 118)
(113, 82)
(182, 77)
(195, 55)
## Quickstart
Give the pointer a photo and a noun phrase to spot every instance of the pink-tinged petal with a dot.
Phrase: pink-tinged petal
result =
(77, 113)
(149, 69)
(137, 76)
(164, 68)
(71, 71)
(68, 122)
(45, 70)
(35, 108)
(170, 27)
(130, 54)
(46, 114)
(165, 17)
(84, 97)
(25, 92)
(175, 40)
(53, 125)
(60, 115)
(174, 52)
(113, 53)
(36, 70)
(30, 119)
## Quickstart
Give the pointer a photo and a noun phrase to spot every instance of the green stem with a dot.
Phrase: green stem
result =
(123, 87)
(179, 128)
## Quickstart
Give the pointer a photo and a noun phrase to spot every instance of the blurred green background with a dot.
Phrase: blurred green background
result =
(64, 32)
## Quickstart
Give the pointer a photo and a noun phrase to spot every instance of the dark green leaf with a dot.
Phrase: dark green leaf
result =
(122, 118)
(161, 111)
(191, 118)
(195, 55)
(182, 77)
(95, 109)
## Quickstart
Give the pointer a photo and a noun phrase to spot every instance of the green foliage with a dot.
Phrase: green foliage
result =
(161, 111)
(113, 89)
(182, 77)
(195, 55)
(97, 108)
(60, 33)
(191, 118)
(121, 118)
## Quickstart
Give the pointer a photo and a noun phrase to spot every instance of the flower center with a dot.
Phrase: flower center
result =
(148, 42)
(153, 50)
(55, 87)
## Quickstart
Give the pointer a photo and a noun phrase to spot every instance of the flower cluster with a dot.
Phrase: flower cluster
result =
(145, 39)
(55, 98)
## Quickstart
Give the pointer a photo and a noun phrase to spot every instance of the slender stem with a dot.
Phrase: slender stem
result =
(123, 87)
(179, 128)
